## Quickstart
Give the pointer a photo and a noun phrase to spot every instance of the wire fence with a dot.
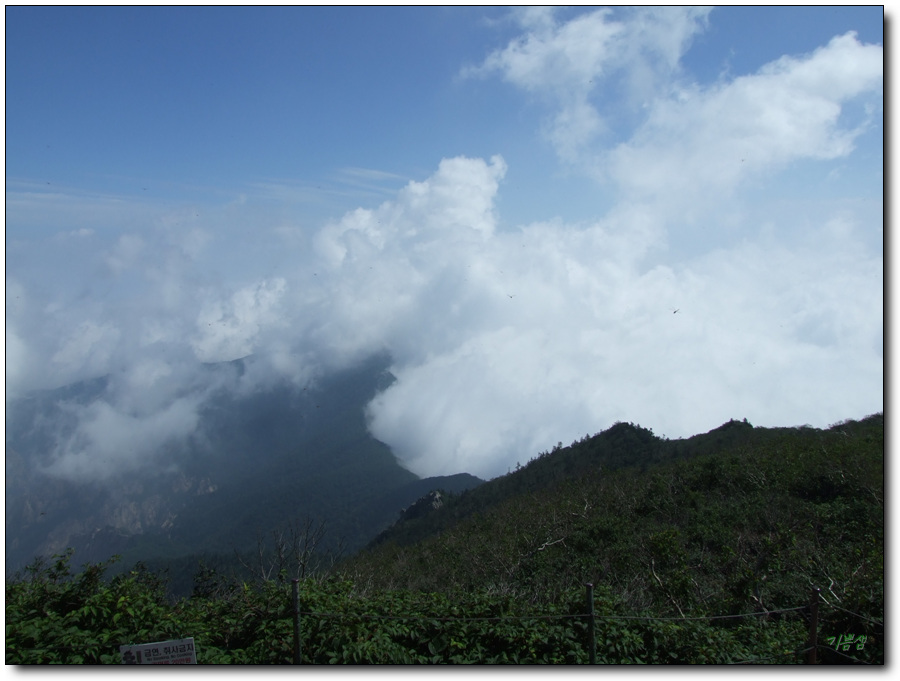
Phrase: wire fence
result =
(595, 617)
(812, 643)
(435, 618)
(857, 615)
(809, 650)
(554, 616)
(780, 656)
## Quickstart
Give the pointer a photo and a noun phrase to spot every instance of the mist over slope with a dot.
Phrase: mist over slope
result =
(253, 462)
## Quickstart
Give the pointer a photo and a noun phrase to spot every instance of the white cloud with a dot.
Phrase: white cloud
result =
(229, 330)
(594, 58)
(109, 441)
(19, 363)
(390, 268)
(82, 233)
(87, 350)
(556, 58)
(602, 68)
(124, 256)
(506, 341)
(590, 337)
(698, 145)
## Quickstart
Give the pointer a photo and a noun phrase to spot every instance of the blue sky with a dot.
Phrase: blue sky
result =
(511, 202)
(181, 99)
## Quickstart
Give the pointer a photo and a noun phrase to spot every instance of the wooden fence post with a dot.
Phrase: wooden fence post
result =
(813, 625)
(295, 588)
(592, 632)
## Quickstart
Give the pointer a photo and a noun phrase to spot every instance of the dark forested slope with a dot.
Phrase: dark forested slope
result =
(736, 520)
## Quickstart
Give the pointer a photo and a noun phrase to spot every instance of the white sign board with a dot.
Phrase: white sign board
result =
(165, 652)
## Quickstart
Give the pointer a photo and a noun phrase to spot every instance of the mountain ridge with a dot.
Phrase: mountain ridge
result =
(740, 519)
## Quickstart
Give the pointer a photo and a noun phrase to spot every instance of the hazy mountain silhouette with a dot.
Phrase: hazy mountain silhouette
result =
(255, 463)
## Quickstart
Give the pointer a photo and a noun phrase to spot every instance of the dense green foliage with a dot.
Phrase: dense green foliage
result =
(54, 617)
(740, 520)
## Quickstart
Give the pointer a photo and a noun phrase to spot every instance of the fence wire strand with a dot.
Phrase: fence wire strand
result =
(703, 617)
(537, 617)
(862, 617)
(757, 660)
(494, 618)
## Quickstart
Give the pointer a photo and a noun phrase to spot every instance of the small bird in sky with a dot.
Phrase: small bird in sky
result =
(675, 311)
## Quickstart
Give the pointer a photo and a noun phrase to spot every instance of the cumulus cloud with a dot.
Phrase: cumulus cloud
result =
(587, 339)
(389, 270)
(575, 65)
(568, 327)
(608, 70)
(505, 341)
(229, 330)
(702, 142)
